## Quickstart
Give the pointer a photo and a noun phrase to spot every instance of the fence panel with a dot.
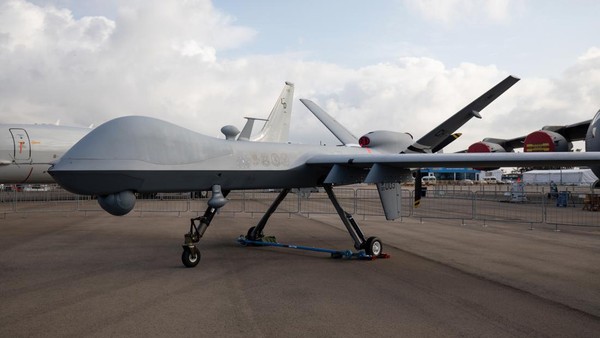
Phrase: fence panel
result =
(7, 201)
(164, 203)
(580, 209)
(497, 206)
(51, 200)
(260, 201)
(368, 203)
(319, 203)
(88, 203)
(447, 204)
(454, 203)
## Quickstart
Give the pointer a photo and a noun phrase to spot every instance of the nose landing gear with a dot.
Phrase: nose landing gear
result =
(191, 254)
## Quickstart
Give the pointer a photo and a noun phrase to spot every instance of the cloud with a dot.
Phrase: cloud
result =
(162, 59)
(24, 26)
(149, 59)
(453, 11)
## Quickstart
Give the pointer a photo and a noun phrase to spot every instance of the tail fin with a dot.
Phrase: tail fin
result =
(277, 127)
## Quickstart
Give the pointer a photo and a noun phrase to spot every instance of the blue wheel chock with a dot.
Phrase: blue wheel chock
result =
(348, 254)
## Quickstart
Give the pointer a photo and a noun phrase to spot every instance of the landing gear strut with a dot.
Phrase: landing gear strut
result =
(191, 254)
(372, 245)
(255, 233)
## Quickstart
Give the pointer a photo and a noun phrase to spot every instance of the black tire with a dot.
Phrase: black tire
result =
(373, 246)
(190, 257)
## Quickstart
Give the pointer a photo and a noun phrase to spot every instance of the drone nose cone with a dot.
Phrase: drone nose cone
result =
(134, 153)
(124, 138)
(101, 162)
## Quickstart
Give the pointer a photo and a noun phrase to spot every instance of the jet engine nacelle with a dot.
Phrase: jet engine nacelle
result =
(592, 139)
(485, 147)
(546, 141)
(389, 141)
(118, 204)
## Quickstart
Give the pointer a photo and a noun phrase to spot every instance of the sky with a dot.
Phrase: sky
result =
(402, 65)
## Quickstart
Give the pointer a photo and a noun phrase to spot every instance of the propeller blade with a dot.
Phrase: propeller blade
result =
(418, 187)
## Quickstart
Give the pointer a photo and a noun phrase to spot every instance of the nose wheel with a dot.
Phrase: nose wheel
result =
(190, 256)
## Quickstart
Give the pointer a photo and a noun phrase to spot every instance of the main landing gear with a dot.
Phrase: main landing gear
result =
(372, 245)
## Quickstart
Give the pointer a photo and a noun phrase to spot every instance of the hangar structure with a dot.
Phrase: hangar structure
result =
(560, 177)
(453, 174)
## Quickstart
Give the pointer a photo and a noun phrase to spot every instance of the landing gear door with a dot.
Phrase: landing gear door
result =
(22, 145)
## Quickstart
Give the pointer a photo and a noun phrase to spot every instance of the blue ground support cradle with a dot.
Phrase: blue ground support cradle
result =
(348, 254)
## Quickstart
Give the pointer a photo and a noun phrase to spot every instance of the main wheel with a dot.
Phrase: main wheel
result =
(373, 246)
(190, 257)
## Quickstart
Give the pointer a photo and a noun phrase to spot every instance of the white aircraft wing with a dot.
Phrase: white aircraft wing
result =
(440, 133)
(342, 134)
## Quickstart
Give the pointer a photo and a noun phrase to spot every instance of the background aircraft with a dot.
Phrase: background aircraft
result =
(28, 150)
(140, 154)
(549, 138)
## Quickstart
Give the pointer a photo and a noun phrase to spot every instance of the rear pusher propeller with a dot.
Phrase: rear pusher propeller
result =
(418, 188)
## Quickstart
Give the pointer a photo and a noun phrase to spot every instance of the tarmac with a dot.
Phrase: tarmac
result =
(97, 275)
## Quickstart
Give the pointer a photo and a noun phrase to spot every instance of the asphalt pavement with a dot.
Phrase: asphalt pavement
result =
(98, 275)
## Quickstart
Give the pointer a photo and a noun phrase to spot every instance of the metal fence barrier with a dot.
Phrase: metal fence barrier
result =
(571, 207)
(446, 204)
(257, 202)
(498, 206)
(573, 210)
(318, 202)
(367, 203)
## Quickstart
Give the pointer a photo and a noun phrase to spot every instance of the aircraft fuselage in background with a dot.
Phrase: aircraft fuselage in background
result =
(28, 150)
